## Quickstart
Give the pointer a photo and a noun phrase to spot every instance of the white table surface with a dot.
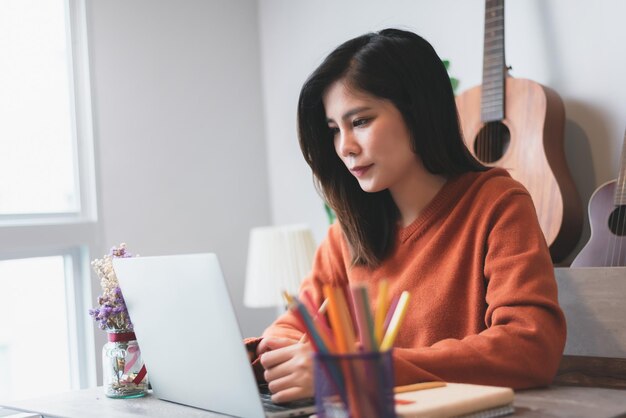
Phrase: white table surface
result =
(551, 402)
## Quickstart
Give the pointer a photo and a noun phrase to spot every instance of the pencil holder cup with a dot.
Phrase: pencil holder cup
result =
(356, 385)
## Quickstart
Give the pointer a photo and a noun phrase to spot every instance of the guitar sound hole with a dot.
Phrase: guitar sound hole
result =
(617, 221)
(492, 142)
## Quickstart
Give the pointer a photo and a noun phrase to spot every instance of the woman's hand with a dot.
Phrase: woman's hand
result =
(288, 368)
(272, 343)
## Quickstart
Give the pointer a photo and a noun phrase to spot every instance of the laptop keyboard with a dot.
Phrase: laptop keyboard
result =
(268, 405)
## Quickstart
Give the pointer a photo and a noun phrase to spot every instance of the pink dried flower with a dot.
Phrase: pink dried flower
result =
(112, 312)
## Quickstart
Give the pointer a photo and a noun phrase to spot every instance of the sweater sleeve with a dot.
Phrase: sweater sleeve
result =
(525, 329)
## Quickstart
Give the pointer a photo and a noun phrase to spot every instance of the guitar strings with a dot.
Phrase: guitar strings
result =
(608, 257)
(616, 248)
(612, 240)
(617, 225)
(489, 144)
(608, 249)
(620, 231)
(620, 228)
(621, 217)
(621, 224)
(617, 256)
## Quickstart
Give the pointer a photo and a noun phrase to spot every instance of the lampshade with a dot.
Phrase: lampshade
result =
(279, 257)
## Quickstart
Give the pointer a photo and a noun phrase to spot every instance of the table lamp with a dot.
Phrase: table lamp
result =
(279, 257)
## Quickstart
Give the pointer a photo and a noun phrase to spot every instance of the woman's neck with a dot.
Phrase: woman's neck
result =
(413, 195)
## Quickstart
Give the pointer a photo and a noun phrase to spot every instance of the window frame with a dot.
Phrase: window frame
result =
(82, 127)
(71, 235)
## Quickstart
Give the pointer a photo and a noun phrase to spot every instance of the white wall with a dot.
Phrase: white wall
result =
(180, 151)
(573, 46)
(195, 117)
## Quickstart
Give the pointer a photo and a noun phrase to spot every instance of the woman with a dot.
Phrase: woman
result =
(378, 127)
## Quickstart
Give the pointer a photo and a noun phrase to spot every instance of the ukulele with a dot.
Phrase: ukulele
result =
(607, 217)
(518, 125)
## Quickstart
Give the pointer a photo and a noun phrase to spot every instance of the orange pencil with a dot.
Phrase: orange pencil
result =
(346, 320)
(334, 315)
(347, 296)
(382, 304)
(335, 321)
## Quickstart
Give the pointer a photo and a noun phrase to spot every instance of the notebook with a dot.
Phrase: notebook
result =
(189, 336)
(456, 400)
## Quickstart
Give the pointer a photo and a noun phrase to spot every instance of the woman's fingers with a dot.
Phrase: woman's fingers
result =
(277, 356)
(289, 372)
(277, 371)
(292, 386)
(280, 384)
(292, 394)
(273, 343)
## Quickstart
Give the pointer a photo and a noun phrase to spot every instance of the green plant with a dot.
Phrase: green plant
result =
(330, 213)
(453, 81)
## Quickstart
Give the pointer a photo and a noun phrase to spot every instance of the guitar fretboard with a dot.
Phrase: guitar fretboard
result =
(620, 187)
(492, 99)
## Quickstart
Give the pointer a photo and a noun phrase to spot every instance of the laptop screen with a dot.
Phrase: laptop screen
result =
(188, 332)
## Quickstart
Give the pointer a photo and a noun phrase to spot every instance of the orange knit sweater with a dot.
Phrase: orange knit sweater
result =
(483, 306)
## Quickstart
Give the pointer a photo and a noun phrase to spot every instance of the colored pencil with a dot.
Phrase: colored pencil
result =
(349, 303)
(363, 318)
(335, 320)
(418, 386)
(382, 305)
(319, 337)
(298, 315)
(346, 320)
(396, 321)
(349, 318)
(307, 299)
(322, 327)
(392, 308)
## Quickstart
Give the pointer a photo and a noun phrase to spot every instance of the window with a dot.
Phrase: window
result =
(47, 199)
(36, 335)
(36, 133)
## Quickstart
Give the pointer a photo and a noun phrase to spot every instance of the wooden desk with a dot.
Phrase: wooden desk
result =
(552, 402)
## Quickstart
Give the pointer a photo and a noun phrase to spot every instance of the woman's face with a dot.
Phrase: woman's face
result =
(371, 139)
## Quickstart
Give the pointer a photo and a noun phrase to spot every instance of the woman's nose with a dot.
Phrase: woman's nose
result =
(348, 145)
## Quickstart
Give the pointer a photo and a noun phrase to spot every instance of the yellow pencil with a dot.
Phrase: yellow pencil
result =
(288, 298)
(382, 304)
(396, 321)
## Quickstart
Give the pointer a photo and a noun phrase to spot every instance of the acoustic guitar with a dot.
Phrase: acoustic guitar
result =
(607, 217)
(518, 125)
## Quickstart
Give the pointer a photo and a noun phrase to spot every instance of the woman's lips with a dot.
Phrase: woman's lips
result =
(360, 170)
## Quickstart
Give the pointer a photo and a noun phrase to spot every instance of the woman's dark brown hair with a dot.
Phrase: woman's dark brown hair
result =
(403, 68)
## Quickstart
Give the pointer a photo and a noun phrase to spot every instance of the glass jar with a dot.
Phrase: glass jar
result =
(123, 372)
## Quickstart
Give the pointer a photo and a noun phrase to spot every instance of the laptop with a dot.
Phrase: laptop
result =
(189, 336)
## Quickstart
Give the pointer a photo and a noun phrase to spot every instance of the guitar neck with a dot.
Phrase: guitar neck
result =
(494, 67)
(620, 187)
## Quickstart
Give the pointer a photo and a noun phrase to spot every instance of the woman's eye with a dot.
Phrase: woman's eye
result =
(333, 130)
(360, 122)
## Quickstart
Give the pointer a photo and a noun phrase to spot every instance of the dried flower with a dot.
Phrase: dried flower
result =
(112, 312)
